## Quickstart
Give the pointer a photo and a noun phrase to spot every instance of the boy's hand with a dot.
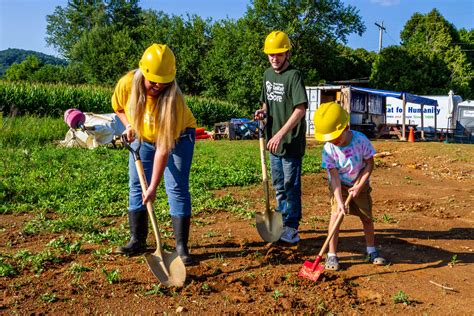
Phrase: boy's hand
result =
(259, 114)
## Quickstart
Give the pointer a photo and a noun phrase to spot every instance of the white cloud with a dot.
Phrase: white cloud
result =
(386, 3)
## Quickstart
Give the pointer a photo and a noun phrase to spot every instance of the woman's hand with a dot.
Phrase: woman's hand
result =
(149, 195)
(130, 132)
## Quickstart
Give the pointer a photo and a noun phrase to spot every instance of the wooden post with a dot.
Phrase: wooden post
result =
(403, 118)
(422, 124)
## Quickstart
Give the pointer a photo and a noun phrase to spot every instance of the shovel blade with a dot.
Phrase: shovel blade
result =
(269, 225)
(168, 268)
(308, 271)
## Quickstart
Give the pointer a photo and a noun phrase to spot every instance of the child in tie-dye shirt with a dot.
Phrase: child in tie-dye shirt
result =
(348, 158)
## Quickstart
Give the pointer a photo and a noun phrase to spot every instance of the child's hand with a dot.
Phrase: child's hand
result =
(355, 190)
(341, 208)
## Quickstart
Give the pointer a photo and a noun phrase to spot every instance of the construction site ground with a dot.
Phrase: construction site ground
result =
(423, 197)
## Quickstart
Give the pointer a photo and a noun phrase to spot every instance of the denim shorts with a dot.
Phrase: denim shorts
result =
(176, 175)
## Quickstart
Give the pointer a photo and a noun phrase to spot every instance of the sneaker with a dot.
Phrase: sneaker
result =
(290, 235)
(375, 258)
(332, 263)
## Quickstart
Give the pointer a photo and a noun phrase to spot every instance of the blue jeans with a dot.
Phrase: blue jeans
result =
(176, 175)
(286, 180)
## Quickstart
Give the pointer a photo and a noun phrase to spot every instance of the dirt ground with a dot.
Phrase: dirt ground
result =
(423, 205)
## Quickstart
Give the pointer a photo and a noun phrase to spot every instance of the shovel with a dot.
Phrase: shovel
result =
(269, 223)
(312, 270)
(167, 267)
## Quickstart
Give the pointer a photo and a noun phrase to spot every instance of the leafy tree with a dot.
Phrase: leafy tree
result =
(105, 54)
(24, 70)
(11, 56)
(433, 61)
(315, 28)
(67, 25)
(397, 68)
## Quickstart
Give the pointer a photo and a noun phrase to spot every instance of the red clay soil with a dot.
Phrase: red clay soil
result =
(423, 205)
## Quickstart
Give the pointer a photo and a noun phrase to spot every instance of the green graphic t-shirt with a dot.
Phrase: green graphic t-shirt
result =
(282, 92)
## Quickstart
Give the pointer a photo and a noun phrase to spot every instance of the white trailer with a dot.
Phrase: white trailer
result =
(445, 112)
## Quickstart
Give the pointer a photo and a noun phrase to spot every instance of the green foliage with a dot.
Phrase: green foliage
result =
(49, 297)
(78, 268)
(49, 99)
(7, 269)
(65, 245)
(12, 56)
(112, 276)
(84, 188)
(100, 63)
(209, 111)
(430, 60)
(401, 297)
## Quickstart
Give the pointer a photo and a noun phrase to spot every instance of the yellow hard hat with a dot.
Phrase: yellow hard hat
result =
(277, 42)
(330, 120)
(158, 64)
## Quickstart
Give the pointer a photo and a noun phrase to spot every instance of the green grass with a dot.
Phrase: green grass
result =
(83, 194)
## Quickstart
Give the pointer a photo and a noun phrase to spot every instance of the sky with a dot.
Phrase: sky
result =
(23, 22)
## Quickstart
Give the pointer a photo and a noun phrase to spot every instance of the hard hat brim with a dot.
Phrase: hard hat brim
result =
(328, 137)
(275, 51)
(155, 78)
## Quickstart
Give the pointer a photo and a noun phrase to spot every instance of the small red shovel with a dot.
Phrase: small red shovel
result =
(312, 270)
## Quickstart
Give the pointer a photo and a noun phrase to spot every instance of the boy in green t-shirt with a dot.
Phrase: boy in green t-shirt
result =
(284, 104)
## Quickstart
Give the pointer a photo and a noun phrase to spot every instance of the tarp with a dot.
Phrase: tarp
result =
(100, 129)
(413, 98)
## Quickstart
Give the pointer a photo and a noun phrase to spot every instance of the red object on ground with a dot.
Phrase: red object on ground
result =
(203, 136)
(74, 118)
(200, 131)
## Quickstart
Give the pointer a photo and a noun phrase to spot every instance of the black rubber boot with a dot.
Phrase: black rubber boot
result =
(181, 233)
(138, 222)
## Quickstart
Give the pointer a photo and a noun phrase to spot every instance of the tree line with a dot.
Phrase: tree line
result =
(224, 59)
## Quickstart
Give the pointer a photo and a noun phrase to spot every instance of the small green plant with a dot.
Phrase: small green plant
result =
(389, 219)
(112, 276)
(454, 260)
(276, 294)
(78, 268)
(7, 269)
(65, 245)
(205, 287)
(99, 253)
(401, 297)
(49, 297)
(321, 307)
(156, 289)
(209, 234)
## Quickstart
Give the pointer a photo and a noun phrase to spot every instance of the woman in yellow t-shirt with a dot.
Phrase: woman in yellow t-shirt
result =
(150, 104)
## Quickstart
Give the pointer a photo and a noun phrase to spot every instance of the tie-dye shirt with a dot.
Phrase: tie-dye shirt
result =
(348, 160)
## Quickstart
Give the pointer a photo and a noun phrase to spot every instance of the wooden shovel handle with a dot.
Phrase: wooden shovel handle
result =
(335, 226)
(149, 206)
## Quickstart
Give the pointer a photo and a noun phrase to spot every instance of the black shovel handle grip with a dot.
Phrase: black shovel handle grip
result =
(126, 143)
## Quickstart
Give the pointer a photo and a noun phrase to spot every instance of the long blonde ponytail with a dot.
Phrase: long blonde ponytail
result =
(165, 114)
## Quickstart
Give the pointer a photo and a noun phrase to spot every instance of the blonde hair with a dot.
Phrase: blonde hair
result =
(165, 112)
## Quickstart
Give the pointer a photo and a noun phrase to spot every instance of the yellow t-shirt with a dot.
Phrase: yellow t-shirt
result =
(121, 102)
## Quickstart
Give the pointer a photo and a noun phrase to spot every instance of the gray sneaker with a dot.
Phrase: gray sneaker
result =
(332, 263)
(290, 235)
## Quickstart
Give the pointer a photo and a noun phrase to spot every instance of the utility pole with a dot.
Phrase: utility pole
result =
(381, 29)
